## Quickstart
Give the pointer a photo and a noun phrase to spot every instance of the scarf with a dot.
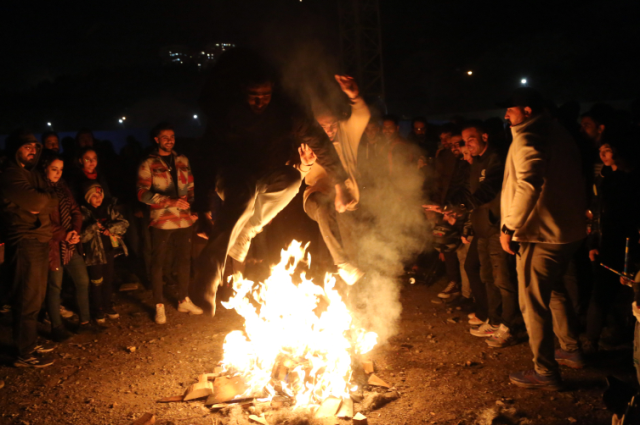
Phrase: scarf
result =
(92, 176)
(66, 249)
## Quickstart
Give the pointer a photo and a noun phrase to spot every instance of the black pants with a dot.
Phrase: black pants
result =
(452, 266)
(101, 287)
(162, 241)
(27, 266)
(485, 293)
(249, 203)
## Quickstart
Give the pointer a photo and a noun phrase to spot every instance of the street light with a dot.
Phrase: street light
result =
(523, 81)
(48, 124)
(469, 72)
(195, 117)
(120, 120)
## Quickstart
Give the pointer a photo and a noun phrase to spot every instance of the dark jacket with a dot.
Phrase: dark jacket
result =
(615, 209)
(79, 183)
(93, 240)
(59, 232)
(25, 199)
(483, 195)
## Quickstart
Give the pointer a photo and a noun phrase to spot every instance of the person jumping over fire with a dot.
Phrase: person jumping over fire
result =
(259, 143)
(345, 133)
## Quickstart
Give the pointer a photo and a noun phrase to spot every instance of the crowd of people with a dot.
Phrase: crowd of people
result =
(522, 214)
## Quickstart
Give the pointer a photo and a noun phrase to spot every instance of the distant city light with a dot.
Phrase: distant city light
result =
(468, 72)
(195, 117)
(124, 118)
(49, 124)
(120, 121)
(523, 81)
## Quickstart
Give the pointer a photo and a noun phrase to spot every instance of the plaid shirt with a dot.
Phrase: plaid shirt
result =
(156, 188)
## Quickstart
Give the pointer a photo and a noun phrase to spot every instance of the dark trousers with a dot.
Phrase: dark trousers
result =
(28, 265)
(162, 241)
(78, 272)
(486, 294)
(101, 277)
(609, 299)
(452, 266)
(249, 204)
(495, 272)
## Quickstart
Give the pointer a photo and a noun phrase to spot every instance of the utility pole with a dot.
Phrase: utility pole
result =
(361, 45)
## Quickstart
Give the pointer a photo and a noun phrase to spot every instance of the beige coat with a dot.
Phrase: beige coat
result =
(543, 197)
(346, 143)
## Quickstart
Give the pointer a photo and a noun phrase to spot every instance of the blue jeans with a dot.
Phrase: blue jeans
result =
(78, 272)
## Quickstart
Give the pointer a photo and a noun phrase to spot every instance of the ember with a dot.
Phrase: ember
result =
(288, 347)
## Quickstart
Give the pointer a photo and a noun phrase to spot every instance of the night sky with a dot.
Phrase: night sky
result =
(581, 51)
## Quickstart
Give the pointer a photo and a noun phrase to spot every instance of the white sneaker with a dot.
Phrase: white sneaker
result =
(161, 319)
(474, 321)
(486, 330)
(65, 313)
(452, 289)
(187, 306)
(349, 273)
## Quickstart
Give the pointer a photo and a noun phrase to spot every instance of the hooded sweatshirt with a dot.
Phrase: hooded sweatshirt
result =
(25, 199)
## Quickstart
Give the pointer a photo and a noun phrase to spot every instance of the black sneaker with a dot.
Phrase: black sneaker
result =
(60, 334)
(112, 314)
(44, 347)
(34, 360)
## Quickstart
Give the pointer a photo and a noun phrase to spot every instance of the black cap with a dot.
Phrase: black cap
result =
(524, 96)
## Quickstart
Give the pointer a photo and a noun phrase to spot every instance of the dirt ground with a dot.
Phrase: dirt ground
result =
(96, 380)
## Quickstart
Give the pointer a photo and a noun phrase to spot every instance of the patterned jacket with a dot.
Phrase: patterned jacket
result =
(156, 188)
(93, 246)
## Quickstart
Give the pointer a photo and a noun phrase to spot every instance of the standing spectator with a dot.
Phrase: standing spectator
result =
(419, 136)
(542, 208)
(445, 164)
(102, 230)
(51, 141)
(66, 221)
(615, 218)
(165, 183)
(26, 206)
(497, 289)
(88, 174)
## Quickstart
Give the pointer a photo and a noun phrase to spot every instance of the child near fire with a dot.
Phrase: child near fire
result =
(102, 230)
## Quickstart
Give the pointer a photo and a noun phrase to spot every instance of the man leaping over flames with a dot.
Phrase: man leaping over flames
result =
(260, 144)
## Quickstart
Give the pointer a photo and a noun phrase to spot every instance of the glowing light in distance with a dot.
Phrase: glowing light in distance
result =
(469, 72)
(49, 124)
(120, 121)
(523, 81)
(195, 117)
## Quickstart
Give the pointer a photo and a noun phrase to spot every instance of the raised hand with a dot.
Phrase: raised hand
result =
(307, 157)
(348, 86)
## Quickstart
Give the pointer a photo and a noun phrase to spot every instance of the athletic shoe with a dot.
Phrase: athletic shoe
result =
(474, 321)
(34, 360)
(452, 289)
(572, 359)
(532, 380)
(65, 313)
(112, 314)
(43, 347)
(60, 334)
(161, 318)
(501, 338)
(484, 331)
(187, 306)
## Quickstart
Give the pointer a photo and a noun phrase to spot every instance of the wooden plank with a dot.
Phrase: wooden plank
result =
(374, 380)
(329, 407)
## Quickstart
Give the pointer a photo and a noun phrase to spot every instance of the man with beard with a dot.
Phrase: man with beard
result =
(26, 205)
(542, 209)
(259, 143)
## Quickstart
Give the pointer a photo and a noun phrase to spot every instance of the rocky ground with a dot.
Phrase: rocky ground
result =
(442, 373)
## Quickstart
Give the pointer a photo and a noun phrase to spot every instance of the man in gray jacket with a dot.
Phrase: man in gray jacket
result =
(25, 204)
(543, 210)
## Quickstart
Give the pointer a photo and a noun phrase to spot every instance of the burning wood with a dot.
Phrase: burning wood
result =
(329, 408)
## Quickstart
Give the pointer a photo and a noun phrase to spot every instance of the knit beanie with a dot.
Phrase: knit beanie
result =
(92, 190)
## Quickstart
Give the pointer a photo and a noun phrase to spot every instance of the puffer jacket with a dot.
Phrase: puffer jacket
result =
(91, 238)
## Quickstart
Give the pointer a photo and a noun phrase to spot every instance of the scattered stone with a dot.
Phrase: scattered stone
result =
(375, 401)
(375, 381)
(171, 399)
(453, 320)
(132, 349)
(146, 419)
(359, 419)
